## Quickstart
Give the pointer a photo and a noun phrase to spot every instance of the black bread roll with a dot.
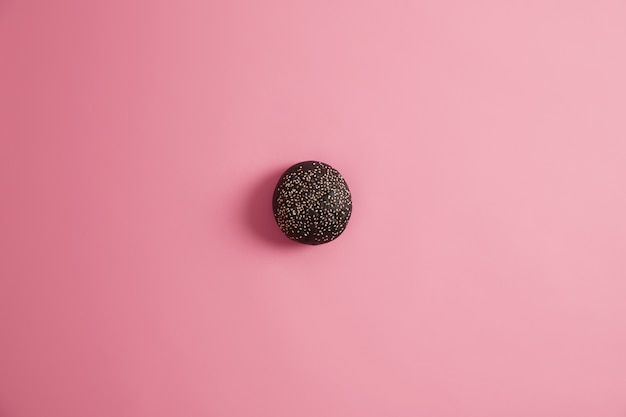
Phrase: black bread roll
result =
(312, 203)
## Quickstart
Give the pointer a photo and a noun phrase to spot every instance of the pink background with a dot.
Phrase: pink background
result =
(482, 274)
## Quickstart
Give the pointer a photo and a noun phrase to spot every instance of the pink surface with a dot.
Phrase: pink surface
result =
(483, 271)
